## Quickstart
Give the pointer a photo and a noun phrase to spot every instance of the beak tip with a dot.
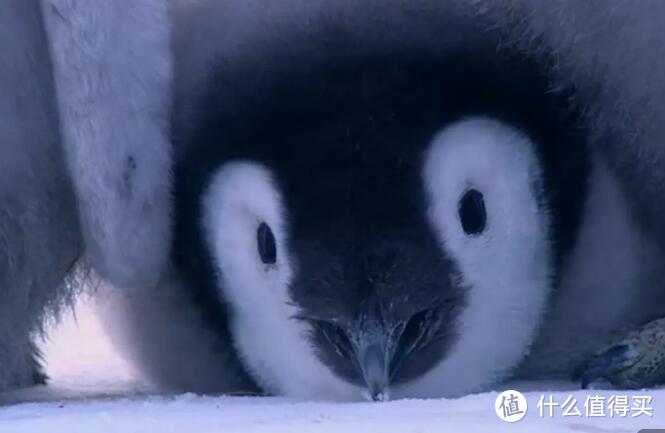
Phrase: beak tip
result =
(374, 364)
(381, 396)
(377, 395)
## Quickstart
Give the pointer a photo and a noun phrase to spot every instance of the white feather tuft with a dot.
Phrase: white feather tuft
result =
(506, 269)
(274, 346)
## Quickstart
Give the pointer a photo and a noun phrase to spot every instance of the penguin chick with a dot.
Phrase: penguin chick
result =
(378, 225)
(383, 282)
(324, 294)
(432, 289)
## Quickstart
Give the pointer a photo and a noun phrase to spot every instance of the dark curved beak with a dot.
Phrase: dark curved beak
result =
(374, 360)
(380, 348)
(375, 344)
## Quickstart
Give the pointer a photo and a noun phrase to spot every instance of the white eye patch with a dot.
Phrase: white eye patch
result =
(480, 177)
(241, 204)
(243, 199)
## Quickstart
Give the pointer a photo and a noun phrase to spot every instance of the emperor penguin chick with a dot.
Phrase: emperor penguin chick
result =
(409, 227)
(335, 295)
(402, 280)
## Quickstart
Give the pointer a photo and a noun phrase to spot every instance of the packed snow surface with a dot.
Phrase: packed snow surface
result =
(94, 391)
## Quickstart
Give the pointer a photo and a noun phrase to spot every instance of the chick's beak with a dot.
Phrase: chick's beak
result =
(374, 361)
(374, 347)
(380, 348)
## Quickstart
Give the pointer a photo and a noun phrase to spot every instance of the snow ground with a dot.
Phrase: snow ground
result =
(93, 390)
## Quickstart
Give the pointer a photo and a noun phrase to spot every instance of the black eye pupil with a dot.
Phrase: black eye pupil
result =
(472, 212)
(266, 243)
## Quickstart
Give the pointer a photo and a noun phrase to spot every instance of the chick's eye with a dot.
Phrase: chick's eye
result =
(472, 213)
(266, 244)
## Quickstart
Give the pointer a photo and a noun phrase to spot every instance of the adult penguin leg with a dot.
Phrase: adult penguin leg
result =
(636, 361)
(112, 69)
(39, 234)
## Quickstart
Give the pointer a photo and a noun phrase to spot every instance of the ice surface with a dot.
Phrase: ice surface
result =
(94, 391)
